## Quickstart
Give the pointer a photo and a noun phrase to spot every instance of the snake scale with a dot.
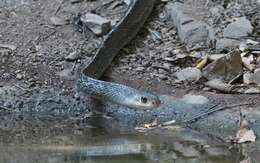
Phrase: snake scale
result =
(117, 38)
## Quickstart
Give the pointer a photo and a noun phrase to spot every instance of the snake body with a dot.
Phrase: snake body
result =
(117, 38)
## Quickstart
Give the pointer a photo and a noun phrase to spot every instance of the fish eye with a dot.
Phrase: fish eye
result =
(144, 99)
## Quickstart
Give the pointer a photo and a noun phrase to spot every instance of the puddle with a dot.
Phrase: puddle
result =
(100, 144)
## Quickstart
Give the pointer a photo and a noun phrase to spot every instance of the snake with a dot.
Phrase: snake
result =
(124, 31)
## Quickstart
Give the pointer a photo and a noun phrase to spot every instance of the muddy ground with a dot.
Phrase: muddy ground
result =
(35, 76)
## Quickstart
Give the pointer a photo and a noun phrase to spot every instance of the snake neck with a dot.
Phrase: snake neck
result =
(101, 89)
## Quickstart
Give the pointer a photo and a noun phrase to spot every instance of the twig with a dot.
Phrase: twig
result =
(73, 67)
(215, 110)
(45, 37)
(59, 7)
(7, 109)
(22, 88)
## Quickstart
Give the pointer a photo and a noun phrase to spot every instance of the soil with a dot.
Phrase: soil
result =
(35, 76)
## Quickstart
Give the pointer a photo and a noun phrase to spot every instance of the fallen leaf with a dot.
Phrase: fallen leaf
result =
(141, 129)
(58, 21)
(150, 125)
(245, 135)
(248, 160)
(252, 42)
(169, 123)
(202, 63)
(248, 62)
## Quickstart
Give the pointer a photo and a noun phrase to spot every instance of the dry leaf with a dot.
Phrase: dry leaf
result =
(244, 134)
(248, 160)
(248, 62)
(202, 63)
(169, 123)
(150, 125)
(141, 129)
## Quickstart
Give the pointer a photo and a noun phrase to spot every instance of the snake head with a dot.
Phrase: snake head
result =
(144, 101)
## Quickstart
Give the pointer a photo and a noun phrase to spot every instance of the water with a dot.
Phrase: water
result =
(105, 144)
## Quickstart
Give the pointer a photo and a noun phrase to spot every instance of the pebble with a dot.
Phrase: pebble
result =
(19, 76)
(238, 29)
(254, 90)
(58, 21)
(66, 73)
(97, 24)
(195, 99)
(127, 2)
(247, 78)
(140, 69)
(72, 56)
(77, 96)
(256, 77)
(190, 31)
(216, 10)
(189, 74)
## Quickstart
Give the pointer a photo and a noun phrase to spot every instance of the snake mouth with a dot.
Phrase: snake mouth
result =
(156, 103)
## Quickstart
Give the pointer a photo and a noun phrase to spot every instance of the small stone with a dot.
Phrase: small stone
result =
(247, 78)
(66, 73)
(206, 89)
(97, 24)
(162, 77)
(166, 66)
(77, 96)
(238, 29)
(195, 99)
(190, 31)
(162, 71)
(216, 10)
(140, 69)
(19, 76)
(127, 2)
(253, 90)
(58, 21)
(189, 74)
(72, 56)
(256, 77)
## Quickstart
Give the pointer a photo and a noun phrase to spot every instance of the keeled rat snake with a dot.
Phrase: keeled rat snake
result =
(117, 38)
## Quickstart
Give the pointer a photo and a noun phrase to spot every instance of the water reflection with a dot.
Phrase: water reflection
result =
(105, 144)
